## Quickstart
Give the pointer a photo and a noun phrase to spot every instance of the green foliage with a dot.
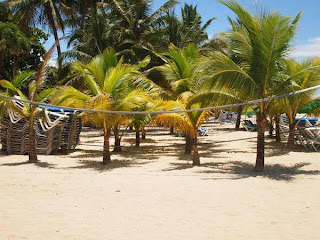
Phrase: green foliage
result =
(188, 29)
(110, 85)
(19, 49)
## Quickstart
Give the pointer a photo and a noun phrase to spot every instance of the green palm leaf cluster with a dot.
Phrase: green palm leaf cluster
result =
(110, 85)
(185, 30)
(258, 44)
(35, 93)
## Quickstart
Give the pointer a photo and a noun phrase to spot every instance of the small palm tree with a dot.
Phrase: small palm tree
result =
(259, 44)
(185, 122)
(29, 111)
(111, 85)
(302, 75)
(139, 122)
(183, 70)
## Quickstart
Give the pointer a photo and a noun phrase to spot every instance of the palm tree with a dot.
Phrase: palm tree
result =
(99, 33)
(184, 31)
(47, 13)
(192, 28)
(139, 122)
(111, 85)
(82, 9)
(183, 73)
(302, 75)
(30, 111)
(138, 25)
(259, 43)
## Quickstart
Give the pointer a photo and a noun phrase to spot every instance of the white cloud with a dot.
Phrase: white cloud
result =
(308, 50)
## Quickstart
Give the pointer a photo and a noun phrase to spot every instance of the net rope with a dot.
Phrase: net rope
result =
(163, 112)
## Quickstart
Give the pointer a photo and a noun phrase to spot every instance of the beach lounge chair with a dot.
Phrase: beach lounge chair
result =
(249, 126)
(203, 132)
(312, 141)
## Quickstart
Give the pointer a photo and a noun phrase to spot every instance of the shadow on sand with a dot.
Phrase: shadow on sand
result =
(39, 164)
(241, 170)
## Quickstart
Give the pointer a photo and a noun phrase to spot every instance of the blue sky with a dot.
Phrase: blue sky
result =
(307, 41)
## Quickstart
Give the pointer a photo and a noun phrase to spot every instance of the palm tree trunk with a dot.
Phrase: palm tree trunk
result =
(32, 151)
(292, 129)
(195, 156)
(238, 122)
(106, 146)
(54, 29)
(172, 130)
(262, 123)
(277, 119)
(137, 138)
(271, 128)
(144, 133)
(188, 144)
(117, 139)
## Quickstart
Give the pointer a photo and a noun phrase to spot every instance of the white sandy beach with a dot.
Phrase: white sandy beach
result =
(154, 193)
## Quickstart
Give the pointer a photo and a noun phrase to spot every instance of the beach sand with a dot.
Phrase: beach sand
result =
(154, 193)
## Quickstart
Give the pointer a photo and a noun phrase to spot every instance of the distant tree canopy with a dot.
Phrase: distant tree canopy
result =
(20, 49)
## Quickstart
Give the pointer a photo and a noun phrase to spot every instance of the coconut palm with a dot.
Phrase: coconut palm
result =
(111, 85)
(138, 25)
(302, 75)
(192, 28)
(48, 13)
(183, 73)
(99, 33)
(259, 43)
(29, 111)
(188, 29)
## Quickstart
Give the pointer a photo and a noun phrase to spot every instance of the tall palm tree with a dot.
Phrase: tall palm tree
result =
(192, 28)
(302, 75)
(138, 25)
(181, 32)
(259, 43)
(82, 10)
(111, 85)
(99, 33)
(30, 111)
(47, 13)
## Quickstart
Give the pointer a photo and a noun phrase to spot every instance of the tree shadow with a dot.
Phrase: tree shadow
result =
(39, 164)
(275, 149)
(242, 170)
(114, 164)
